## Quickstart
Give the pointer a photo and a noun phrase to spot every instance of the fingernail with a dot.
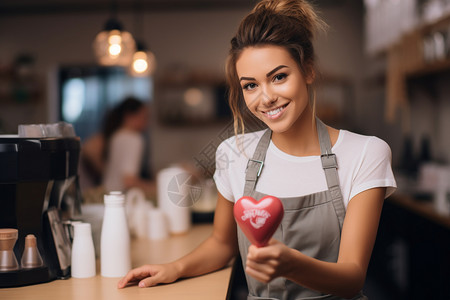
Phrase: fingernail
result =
(141, 284)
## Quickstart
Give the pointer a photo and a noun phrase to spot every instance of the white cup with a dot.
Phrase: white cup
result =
(157, 227)
(442, 193)
(83, 252)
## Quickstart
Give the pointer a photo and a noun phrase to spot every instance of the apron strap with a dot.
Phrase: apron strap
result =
(256, 163)
(329, 165)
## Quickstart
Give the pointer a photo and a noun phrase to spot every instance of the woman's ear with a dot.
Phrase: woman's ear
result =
(310, 76)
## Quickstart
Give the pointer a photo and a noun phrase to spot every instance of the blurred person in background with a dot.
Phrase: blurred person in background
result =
(125, 144)
(114, 157)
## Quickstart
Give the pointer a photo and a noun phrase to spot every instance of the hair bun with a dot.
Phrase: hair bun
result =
(301, 10)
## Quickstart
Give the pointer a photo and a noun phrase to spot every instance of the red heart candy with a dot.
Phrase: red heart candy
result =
(258, 219)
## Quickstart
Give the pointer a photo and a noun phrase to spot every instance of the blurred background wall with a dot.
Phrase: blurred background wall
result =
(190, 40)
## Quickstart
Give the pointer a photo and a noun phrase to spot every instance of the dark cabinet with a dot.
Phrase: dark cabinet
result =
(411, 256)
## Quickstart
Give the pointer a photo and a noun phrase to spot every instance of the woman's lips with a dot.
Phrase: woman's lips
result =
(275, 113)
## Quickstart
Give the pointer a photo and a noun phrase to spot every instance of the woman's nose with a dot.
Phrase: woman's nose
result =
(268, 97)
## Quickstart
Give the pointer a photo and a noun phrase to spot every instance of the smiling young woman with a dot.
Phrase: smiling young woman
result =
(332, 183)
(277, 92)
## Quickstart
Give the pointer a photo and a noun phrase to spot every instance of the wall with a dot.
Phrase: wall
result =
(196, 39)
(192, 39)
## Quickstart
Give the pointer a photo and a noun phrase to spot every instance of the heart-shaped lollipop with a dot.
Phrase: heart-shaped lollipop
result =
(258, 219)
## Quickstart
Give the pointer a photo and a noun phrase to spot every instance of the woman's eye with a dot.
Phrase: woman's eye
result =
(279, 77)
(249, 86)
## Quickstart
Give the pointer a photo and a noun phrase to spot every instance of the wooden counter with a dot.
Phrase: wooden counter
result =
(424, 209)
(211, 286)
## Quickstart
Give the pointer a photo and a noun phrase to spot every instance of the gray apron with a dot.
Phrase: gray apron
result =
(312, 224)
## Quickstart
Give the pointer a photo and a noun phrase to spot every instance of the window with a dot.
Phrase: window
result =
(87, 93)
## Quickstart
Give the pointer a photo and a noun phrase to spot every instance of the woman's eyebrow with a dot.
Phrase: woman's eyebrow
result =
(267, 75)
(276, 69)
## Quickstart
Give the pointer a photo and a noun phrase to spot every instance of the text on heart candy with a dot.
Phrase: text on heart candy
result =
(257, 217)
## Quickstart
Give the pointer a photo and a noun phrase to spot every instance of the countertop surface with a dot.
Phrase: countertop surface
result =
(210, 286)
(421, 208)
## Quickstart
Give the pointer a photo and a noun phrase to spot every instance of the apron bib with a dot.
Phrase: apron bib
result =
(323, 212)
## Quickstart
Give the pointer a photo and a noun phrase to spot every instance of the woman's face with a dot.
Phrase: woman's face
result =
(273, 86)
(139, 119)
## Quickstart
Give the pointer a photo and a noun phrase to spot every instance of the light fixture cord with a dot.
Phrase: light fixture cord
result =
(138, 19)
(114, 9)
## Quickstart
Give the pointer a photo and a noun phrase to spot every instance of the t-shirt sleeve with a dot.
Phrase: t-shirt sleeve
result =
(222, 172)
(374, 169)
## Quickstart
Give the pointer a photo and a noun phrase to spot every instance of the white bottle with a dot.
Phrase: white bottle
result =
(83, 252)
(115, 260)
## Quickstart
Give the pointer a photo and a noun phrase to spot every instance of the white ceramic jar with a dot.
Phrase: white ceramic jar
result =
(115, 260)
(83, 252)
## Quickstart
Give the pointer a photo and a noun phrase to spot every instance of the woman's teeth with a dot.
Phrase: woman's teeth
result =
(274, 112)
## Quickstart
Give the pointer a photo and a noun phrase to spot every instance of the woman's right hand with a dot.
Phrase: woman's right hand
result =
(150, 275)
(214, 253)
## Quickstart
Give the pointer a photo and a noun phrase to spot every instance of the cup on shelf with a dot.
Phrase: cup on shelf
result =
(442, 193)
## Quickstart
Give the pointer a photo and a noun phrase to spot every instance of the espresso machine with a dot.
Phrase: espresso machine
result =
(39, 196)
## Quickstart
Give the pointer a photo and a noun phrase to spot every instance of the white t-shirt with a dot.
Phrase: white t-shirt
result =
(126, 148)
(364, 162)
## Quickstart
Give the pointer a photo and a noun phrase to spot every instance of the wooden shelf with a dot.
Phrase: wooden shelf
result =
(441, 23)
(421, 208)
(429, 69)
(406, 60)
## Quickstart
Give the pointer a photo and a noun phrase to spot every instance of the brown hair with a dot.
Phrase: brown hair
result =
(287, 23)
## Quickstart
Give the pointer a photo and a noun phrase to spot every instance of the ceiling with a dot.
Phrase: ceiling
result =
(33, 7)
(8, 7)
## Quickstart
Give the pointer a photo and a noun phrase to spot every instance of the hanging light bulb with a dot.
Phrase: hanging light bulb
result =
(144, 62)
(113, 46)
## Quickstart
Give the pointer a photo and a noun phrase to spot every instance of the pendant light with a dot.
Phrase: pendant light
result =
(144, 61)
(113, 46)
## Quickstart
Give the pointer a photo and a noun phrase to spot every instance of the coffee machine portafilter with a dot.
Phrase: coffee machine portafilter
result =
(39, 192)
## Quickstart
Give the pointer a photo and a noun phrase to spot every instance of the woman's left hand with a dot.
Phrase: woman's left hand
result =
(268, 262)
